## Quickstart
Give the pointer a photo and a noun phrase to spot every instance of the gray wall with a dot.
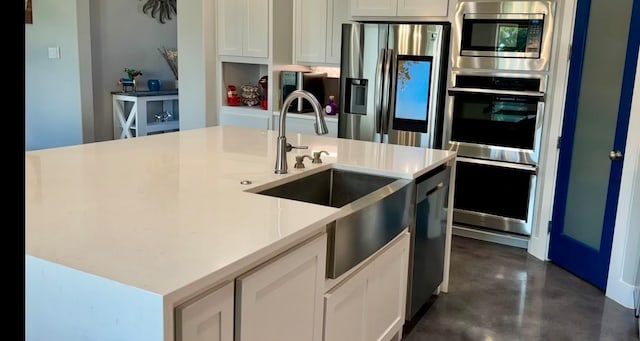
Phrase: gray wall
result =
(54, 110)
(124, 37)
(68, 100)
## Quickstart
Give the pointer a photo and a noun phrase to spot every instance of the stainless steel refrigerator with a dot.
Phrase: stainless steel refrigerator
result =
(392, 82)
(392, 90)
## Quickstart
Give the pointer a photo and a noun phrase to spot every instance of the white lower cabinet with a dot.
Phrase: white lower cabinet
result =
(370, 304)
(208, 317)
(386, 292)
(247, 120)
(345, 310)
(282, 299)
(304, 124)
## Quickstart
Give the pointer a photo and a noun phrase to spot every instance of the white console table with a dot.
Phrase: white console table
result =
(132, 120)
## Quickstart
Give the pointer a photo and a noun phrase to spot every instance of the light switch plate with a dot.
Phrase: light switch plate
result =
(54, 52)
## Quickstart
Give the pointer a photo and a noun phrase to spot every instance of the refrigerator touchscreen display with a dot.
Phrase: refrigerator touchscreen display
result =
(413, 87)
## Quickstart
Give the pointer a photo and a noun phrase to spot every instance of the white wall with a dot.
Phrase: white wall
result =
(632, 249)
(124, 37)
(539, 241)
(197, 45)
(626, 237)
(56, 113)
(624, 250)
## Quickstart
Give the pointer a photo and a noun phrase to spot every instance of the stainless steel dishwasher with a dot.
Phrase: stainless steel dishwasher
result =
(426, 259)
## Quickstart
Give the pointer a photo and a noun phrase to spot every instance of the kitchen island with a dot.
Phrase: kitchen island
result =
(120, 234)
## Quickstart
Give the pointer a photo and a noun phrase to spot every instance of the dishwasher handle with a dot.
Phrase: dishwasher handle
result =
(439, 186)
(432, 184)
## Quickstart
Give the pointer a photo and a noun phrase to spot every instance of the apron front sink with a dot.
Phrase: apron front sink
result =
(374, 210)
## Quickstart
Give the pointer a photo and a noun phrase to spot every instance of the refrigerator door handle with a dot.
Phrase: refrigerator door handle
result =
(379, 98)
(387, 92)
(392, 64)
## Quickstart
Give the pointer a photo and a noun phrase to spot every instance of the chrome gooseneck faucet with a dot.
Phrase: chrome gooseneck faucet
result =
(283, 147)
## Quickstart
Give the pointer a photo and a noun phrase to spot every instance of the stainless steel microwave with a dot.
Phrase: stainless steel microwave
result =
(505, 35)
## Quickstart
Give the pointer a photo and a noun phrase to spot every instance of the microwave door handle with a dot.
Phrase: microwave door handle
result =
(535, 94)
(378, 95)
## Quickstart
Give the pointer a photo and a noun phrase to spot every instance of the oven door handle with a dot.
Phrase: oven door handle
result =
(534, 94)
(530, 168)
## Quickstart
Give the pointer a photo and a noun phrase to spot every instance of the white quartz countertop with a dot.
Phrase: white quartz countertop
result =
(167, 211)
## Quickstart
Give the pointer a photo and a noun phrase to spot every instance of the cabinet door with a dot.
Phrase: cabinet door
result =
(374, 7)
(304, 126)
(282, 300)
(333, 128)
(370, 304)
(345, 310)
(256, 32)
(301, 126)
(209, 318)
(338, 14)
(423, 8)
(310, 30)
(245, 120)
(386, 291)
(231, 18)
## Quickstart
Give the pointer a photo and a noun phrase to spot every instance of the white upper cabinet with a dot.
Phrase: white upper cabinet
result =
(243, 28)
(423, 8)
(318, 30)
(399, 8)
(374, 7)
(310, 30)
(339, 14)
(256, 42)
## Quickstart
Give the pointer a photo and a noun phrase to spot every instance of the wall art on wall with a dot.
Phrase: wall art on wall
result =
(162, 9)
(28, 18)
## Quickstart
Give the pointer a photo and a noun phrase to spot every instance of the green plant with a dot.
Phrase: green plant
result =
(133, 73)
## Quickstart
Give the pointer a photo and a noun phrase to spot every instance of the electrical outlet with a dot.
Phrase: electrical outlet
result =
(54, 52)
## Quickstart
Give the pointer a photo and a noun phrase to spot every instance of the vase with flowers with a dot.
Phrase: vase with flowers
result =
(129, 84)
(171, 57)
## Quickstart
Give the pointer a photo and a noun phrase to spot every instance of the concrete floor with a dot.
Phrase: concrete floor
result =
(499, 292)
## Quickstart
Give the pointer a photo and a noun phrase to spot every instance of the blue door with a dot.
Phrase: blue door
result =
(601, 76)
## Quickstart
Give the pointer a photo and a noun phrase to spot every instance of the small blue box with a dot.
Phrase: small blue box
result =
(154, 84)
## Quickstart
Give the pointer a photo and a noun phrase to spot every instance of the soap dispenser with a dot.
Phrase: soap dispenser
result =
(331, 108)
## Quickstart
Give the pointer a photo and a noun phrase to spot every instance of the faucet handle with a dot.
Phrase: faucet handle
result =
(316, 156)
(299, 161)
(290, 147)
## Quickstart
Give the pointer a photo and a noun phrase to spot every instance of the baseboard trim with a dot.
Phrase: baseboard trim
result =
(636, 302)
(494, 237)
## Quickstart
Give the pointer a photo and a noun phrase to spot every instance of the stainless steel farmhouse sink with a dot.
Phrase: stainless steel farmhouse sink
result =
(375, 210)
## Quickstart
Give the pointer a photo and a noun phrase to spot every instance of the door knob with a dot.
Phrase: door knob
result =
(615, 155)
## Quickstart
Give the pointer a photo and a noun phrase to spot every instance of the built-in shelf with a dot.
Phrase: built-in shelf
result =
(239, 74)
(162, 126)
(254, 110)
(308, 116)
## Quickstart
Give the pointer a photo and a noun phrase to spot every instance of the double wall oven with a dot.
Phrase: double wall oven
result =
(496, 108)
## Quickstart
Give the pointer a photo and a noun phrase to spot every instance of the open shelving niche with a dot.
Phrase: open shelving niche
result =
(158, 107)
(238, 74)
